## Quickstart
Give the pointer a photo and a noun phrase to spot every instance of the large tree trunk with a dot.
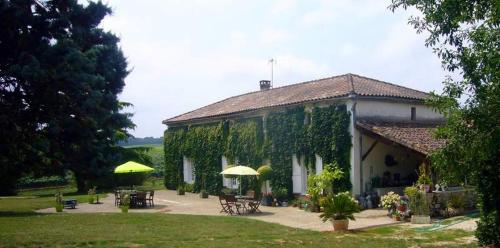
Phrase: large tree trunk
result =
(80, 183)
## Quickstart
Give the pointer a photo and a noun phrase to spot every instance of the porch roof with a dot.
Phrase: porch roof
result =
(413, 135)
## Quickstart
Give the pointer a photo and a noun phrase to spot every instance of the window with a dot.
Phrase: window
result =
(413, 114)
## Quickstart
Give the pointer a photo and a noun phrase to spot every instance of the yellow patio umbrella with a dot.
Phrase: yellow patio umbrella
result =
(131, 167)
(240, 171)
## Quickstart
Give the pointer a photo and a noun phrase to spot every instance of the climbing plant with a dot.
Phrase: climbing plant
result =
(286, 135)
(204, 146)
(331, 140)
(173, 157)
(244, 146)
(288, 132)
(245, 142)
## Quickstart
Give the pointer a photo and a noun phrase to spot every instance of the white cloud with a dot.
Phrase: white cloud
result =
(283, 6)
(187, 54)
(272, 36)
(315, 17)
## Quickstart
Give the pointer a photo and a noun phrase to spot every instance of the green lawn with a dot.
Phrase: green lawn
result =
(30, 200)
(166, 230)
(20, 226)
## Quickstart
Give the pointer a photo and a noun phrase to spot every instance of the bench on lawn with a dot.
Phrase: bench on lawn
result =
(70, 203)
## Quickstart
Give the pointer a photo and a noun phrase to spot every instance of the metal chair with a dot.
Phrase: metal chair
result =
(117, 198)
(150, 198)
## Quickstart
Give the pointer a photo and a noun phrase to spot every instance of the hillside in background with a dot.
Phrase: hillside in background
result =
(133, 141)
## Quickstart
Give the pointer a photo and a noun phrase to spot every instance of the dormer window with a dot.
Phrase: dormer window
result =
(413, 114)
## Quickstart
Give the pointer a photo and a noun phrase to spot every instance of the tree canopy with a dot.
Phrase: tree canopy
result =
(60, 74)
(466, 36)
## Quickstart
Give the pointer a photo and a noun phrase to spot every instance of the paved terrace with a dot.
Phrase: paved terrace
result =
(168, 202)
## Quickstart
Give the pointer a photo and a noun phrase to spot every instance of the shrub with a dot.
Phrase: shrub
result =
(420, 205)
(339, 207)
(180, 190)
(189, 187)
(488, 231)
(125, 203)
(265, 173)
(456, 201)
(31, 182)
(92, 195)
(280, 194)
(321, 183)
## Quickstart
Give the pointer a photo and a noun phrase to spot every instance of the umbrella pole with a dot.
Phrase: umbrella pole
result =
(240, 184)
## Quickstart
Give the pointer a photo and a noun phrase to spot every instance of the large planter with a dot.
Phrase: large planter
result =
(340, 225)
(203, 194)
(420, 219)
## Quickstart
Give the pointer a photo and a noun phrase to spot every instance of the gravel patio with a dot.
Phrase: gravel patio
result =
(168, 202)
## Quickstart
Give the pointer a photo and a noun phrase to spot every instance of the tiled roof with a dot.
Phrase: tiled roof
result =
(416, 136)
(333, 87)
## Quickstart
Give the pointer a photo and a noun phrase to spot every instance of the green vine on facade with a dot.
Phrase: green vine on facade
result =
(173, 157)
(243, 141)
(331, 140)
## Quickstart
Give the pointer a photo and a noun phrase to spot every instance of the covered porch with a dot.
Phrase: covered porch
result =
(391, 154)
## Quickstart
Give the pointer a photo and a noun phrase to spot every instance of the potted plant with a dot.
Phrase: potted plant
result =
(92, 195)
(125, 203)
(455, 205)
(265, 173)
(339, 209)
(390, 201)
(425, 183)
(420, 208)
(267, 199)
(396, 216)
(59, 205)
(180, 190)
(280, 195)
(203, 194)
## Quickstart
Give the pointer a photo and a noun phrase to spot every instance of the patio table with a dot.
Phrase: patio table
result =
(245, 200)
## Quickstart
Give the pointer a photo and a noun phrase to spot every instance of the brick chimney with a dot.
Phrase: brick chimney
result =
(265, 84)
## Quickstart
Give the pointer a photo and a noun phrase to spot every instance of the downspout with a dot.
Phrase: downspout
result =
(354, 97)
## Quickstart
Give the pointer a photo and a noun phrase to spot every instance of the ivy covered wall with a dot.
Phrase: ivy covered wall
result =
(323, 131)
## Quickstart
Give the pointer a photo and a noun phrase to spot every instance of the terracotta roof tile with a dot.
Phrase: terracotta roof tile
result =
(326, 88)
(416, 136)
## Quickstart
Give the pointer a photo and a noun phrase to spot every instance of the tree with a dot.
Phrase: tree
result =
(466, 36)
(60, 75)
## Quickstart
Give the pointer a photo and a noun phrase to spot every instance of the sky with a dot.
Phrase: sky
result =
(187, 54)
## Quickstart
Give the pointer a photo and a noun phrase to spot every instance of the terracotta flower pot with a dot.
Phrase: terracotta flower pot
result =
(340, 225)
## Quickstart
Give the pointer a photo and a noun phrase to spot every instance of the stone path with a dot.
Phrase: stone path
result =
(167, 201)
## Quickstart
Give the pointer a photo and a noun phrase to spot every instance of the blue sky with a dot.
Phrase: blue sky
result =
(187, 54)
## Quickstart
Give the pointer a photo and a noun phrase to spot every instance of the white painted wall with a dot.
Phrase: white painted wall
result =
(299, 175)
(231, 183)
(187, 170)
(394, 111)
(318, 164)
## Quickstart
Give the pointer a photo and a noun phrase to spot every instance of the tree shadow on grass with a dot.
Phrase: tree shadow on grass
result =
(19, 214)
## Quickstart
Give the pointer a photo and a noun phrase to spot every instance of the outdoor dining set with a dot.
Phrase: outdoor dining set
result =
(239, 204)
(137, 199)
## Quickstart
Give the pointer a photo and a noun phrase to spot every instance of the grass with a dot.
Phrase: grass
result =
(30, 200)
(168, 230)
(21, 226)
(144, 145)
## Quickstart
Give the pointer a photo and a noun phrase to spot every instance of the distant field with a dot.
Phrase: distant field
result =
(145, 145)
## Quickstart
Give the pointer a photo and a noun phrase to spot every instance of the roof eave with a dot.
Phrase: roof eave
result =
(212, 118)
